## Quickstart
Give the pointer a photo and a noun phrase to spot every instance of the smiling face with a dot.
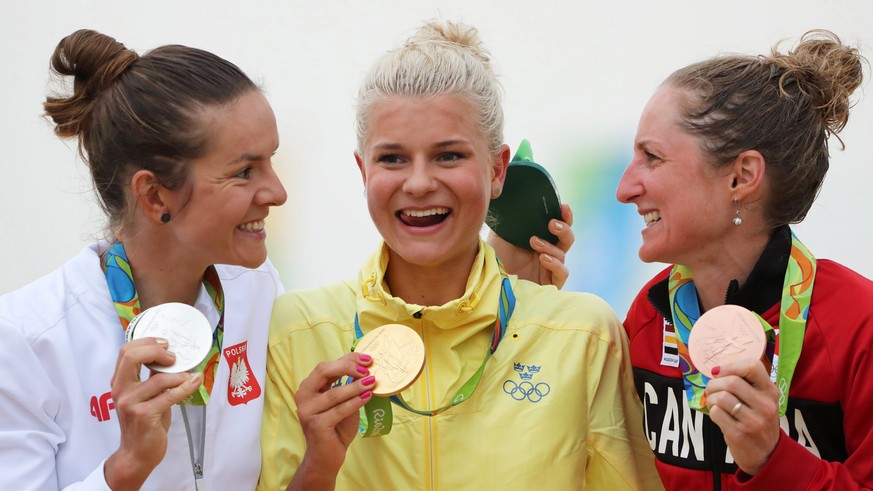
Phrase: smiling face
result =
(685, 201)
(428, 175)
(219, 214)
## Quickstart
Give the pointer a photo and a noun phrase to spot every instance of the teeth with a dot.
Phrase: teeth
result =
(426, 213)
(651, 217)
(255, 226)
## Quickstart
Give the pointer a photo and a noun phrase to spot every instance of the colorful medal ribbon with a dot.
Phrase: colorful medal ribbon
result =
(378, 409)
(785, 345)
(119, 277)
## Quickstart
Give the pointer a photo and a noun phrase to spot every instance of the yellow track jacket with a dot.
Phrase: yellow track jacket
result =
(555, 408)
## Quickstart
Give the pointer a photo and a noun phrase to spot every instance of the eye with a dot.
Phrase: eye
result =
(650, 156)
(245, 173)
(389, 158)
(449, 157)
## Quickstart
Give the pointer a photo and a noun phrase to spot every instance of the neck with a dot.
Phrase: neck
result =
(428, 285)
(734, 260)
(161, 273)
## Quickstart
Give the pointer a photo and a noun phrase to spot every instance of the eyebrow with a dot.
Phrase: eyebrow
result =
(398, 146)
(249, 157)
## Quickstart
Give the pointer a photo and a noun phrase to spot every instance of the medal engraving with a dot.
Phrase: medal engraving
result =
(725, 333)
(398, 357)
(184, 327)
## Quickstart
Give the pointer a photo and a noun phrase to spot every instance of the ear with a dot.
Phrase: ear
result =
(747, 176)
(360, 161)
(499, 165)
(149, 194)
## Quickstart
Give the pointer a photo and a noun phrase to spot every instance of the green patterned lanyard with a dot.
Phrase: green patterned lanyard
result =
(793, 311)
(119, 277)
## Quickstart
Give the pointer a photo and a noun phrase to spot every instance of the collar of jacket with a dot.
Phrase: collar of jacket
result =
(477, 306)
(762, 290)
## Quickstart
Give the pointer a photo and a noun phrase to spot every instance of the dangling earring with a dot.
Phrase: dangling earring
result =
(165, 217)
(737, 220)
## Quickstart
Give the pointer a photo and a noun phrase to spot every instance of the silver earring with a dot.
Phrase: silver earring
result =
(737, 220)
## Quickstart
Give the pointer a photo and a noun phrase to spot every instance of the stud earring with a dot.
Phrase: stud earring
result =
(165, 218)
(737, 220)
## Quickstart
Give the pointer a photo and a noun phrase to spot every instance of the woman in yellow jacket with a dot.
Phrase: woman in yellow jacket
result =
(524, 386)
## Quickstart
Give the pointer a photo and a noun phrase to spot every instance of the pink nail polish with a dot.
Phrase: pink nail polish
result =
(366, 395)
(369, 380)
(364, 358)
(362, 370)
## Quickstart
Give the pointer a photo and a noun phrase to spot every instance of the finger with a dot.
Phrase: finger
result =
(158, 393)
(567, 214)
(557, 269)
(564, 232)
(725, 402)
(134, 354)
(324, 374)
(337, 403)
(751, 370)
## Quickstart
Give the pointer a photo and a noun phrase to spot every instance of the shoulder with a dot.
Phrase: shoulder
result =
(842, 292)
(303, 309)
(78, 285)
(641, 311)
(554, 309)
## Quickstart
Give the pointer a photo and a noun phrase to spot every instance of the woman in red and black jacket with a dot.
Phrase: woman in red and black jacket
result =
(729, 152)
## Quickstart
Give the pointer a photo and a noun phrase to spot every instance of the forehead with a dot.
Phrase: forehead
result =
(661, 120)
(246, 125)
(415, 117)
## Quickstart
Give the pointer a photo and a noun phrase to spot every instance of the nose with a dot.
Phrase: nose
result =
(420, 179)
(273, 192)
(629, 187)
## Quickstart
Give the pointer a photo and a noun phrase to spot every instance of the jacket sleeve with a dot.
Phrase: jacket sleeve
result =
(793, 466)
(282, 440)
(29, 435)
(619, 455)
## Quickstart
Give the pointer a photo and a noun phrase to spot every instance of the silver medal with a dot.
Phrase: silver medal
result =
(184, 327)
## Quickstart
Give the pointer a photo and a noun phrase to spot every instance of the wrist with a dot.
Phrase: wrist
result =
(313, 477)
(124, 472)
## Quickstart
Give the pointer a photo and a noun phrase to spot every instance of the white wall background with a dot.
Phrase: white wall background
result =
(576, 76)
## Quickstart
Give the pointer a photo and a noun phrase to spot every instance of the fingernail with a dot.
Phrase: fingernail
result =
(195, 379)
(163, 342)
(548, 258)
(715, 370)
(366, 395)
(362, 370)
(559, 226)
(539, 242)
(369, 380)
(364, 358)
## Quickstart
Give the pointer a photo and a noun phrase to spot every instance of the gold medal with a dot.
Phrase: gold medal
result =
(398, 357)
(725, 333)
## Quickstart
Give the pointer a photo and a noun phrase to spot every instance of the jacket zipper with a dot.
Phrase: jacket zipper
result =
(430, 456)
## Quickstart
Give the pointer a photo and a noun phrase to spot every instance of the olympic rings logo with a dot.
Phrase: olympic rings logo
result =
(526, 390)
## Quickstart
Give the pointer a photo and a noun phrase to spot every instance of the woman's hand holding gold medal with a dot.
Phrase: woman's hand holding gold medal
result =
(329, 417)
